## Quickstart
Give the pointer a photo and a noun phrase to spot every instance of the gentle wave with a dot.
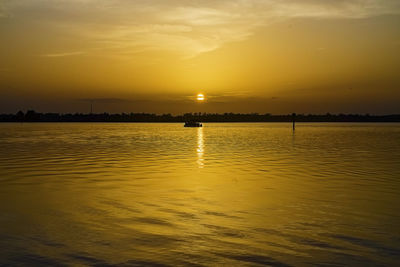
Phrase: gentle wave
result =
(224, 194)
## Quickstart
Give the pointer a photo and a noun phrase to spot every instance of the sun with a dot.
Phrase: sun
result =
(200, 97)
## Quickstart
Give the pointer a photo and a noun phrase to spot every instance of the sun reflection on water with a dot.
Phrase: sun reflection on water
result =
(200, 147)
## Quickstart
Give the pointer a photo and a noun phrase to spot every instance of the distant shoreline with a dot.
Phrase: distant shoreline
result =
(32, 116)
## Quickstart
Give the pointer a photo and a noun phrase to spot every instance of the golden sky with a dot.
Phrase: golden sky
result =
(275, 56)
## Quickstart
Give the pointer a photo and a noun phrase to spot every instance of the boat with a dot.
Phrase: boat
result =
(193, 124)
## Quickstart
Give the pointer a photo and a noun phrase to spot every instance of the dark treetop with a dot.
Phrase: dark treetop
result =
(32, 116)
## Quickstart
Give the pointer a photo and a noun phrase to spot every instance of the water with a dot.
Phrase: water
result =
(224, 194)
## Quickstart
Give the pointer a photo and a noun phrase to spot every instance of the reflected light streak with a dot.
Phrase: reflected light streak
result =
(200, 147)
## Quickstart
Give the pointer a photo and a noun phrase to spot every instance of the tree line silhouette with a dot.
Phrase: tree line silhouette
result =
(32, 116)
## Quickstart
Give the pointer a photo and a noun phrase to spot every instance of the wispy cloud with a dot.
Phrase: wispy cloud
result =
(185, 27)
(65, 54)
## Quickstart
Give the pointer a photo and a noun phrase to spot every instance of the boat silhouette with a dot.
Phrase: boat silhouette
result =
(193, 124)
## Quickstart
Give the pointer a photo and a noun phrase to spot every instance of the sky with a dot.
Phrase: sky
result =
(265, 56)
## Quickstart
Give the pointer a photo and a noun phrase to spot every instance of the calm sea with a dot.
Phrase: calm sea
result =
(225, 194)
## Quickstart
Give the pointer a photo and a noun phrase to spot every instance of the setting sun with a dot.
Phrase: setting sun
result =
(200, 97)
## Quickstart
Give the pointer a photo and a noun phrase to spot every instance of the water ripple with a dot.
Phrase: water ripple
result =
(225, 194)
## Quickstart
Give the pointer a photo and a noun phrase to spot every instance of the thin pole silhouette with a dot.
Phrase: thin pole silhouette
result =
(294, 120)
